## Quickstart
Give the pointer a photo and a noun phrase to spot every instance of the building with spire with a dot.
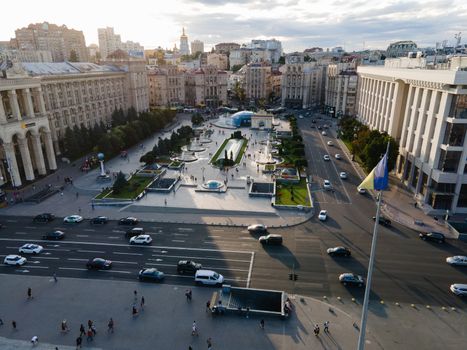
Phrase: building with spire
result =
(184, 48)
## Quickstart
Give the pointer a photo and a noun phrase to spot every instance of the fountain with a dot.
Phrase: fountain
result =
(196, 146)
(266, 157)
(213, 185)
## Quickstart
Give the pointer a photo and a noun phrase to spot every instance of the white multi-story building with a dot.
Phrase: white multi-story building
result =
(273, 46)
(197, 46)
(184, 48)
(26, 55)
(426, 111)
(206, 86)
(258, 81)
(110, 42)
(341, 88)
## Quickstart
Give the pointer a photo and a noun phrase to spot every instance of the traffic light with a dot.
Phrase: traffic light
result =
(293, 276)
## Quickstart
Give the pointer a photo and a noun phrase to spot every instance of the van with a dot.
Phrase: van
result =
(208, 277)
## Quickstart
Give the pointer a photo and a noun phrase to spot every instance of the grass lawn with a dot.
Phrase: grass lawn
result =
(284, 196)
(219, 150)
(239, 155)
(133, 189)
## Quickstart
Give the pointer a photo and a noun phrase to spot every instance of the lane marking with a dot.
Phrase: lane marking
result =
(90, 251)
(78, 269)
(35, 267)
(89, 230)
(21, 233)
(178, 240)
(250, 270)
(59, 249)
(125, 262)
(113, 237)
(11, 220)
(184, 229)
(77, 259)
(122, 253)
(198, 258)
(118, 231)
(46, 257)
(30, 227)
(180, 234)
(80, 236)
(218, 230)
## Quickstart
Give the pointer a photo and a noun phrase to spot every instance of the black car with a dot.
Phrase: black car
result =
(338, 251)
(98, 264)
(383, 221)
(45, 217)
(271, 239)
(150, 274)
(54, 235)
(188, 266)
(135, 231)
(432, 236)
(99, 220)
(128, 221)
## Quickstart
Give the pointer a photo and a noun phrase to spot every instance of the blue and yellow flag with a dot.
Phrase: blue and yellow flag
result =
(378, 178)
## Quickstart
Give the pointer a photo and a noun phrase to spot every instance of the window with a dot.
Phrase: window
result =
(449, 161)
(454, 134)
(458, 107)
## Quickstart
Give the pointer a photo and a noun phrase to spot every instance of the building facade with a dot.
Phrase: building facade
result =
(258, 81)
(401, 48)
(219, 60)
(26, 55)
(197, 46)
(184, 48)
(341, 88)
(206, 86)
(426, 111)
(225, 48)
(166, 86)
(63, 43)
(110, 42)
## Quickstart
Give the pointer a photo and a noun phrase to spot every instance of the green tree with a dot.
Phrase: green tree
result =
(236, 67)
(71, 144)
(132, 114)
(120, 183)
(73, 56)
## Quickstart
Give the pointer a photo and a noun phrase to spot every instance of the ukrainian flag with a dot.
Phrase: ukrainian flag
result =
(378, 178)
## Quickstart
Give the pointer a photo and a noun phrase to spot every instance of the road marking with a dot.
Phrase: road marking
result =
(72, 268)
(214, 237)
(115, 271)
(21, 233)
(248, 238)
(217, 230)
(209, 242)
(184, 229)
(30, 227)
(59, 249)
(125, 262)
(114, 237)
(197, 258)
(36, 267)
(76, 259)
(180, 234)
(178, 240)
(250, 270)
(82, 236)
(122, 253)
(11, 220)
(89, 230)
(60, 228)
(90, 251)
(46, 257)
(118, 231)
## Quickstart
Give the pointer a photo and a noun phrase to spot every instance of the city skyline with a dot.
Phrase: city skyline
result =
(298, 24)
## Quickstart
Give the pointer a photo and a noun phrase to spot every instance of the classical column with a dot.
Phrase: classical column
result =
(2, 112)
(14, 104)
(9, 149)
(40, 99)
(27, 98)
(26, 158)
(38, 156)
(49, 149)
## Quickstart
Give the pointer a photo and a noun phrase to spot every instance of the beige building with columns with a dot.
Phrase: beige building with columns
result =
(166, 86)
(425, 109)
(206, 86)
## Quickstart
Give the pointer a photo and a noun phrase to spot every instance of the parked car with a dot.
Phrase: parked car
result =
(54, 235)
(208, 277)
(327, 185)
(45, 217)
(135, 231)
(188, 266)
(361, 190)
(337, 156)
(141, 239)
(99, 220)
(271, 239)
(383, 221)
(16, 260)
(351, 279)
(326, 157)
(330, 143)
(98, 264)
(30, 248)
(72, 219)
(343, 175)
(323, 215)
(150, 274)
(128, 221)
(338, 251)
(257, 228)
(457, 260)
(432, 236)
(459, 289)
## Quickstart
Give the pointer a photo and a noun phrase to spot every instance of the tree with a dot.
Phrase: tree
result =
(73, 56)
(236, 67)
(120, 183)
(132, 114)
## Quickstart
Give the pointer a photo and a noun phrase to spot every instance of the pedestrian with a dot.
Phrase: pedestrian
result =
(93, 329)
(261, 323)
(247, 312)
(189, 347)
(79, 340)
(134, 312)
(194, 329)
(29, 293)
(77, 195)
(89, 323)
(111, 325)
(34, 340)
(1, 322)
(208, 306)
(64, 327)
(13, 324)
(326, 327)
(89, 335)
(61, 193)
(142, 303)
(92, 206)
(79, 210)
(55, 277)
(317, 330)
(188, 294)
(209, 342)
(82, 331)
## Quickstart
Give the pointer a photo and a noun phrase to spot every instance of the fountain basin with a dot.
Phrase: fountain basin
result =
(213, 185)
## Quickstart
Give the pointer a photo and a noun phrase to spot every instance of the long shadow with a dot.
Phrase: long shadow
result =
(283, 254)
(375, 307)
(330, 222)
(395, 230)
(351, 265)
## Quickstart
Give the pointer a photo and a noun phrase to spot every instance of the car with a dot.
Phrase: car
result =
(98, 264)
(457, 260)
(208, 277)
(383, 221)
(188, 266)
(72, 219)
(432, 236)
(459, 289)
(351, 279)
(16, 260)
(327, 185)
(324, 133)
(330, 143)
(45, 217)
(343, 175)
(141, 239)
(150, 274)
(128, 221)
(30, 248)
(271, 239)
(338, 251)
(54, 235)
(257, 228)
(361, 190)
(337, 156)
(326, 157)
(323, 215)
(99, 220)
(135, 231)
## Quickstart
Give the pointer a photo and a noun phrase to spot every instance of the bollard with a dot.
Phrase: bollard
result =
(444, 308)
(413, 305)
(382, 302)
(453, 308)
(325, 297)
(397, 304)
(353, 299)
(339, 298)
(428, 307)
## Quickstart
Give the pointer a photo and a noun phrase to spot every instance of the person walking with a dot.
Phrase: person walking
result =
(82, 331)
(194, 329)
(55, 277)
(13, 324)
(89, 323)
(208, 306)
(34, 340)
(188, 294)
(135, 293)
(29, 293)
(64, 327)
(142, 303)
(261, 324)
(134, 312)
(90, 335)
(93, 329)
(326, 327)
(209, 342)
(111, 325)
(79, 341)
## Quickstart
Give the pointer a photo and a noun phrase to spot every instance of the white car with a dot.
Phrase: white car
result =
(13, 259)
(330, 143)
(141, 239)
(257, 228)
(326, 157)
(457, 260)
(30, 248)
(343, 175)
(327, 185)
(361, 190)
(323, 215)
(459, 289)
(324, 133)
(72, 219)
(337, 156)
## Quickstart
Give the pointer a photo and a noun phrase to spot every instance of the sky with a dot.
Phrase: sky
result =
(299, 24)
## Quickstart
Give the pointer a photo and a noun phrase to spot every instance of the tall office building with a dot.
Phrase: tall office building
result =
(184, 48)
(110, 42)
(197, 46)
(63, 43)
